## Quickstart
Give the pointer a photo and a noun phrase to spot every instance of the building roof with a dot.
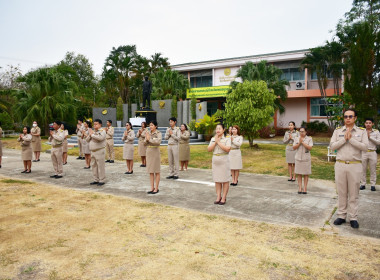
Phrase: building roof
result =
(237, 61)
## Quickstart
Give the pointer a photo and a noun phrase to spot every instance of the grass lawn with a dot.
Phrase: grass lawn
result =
(267, 159)
(48, 232)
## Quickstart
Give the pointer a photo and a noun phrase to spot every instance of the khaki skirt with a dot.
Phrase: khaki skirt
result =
(27, 153)
(153, 160)
(85, 147)
(128, 150)
(64, 146)
(184, 152)
(36, 145)
(290, 156)
(236, 162)
(1, 148)
(142, 149)
(221, 171)
(303, 167)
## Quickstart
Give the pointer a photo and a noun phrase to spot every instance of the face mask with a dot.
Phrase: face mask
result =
(34, 125)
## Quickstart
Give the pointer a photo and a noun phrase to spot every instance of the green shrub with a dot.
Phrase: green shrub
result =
(315, 127)
(7, 122)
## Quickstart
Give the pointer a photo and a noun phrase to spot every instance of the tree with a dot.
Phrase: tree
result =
(250, 106)
(157, 62)
(48, 96)
(169, 83)
(268, 73)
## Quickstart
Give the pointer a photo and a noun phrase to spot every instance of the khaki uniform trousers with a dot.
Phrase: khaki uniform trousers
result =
(80, 147)
(173, 155)
(347, 179)
(56, 158)
(371, 159)
(109, 149)
(98, 165)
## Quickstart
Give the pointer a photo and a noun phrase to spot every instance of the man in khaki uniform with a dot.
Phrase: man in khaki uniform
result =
(79, 132)
(370, 156)
(97, 140)
(109, 142)
(349, 141)
(56, 139)
(173, 135)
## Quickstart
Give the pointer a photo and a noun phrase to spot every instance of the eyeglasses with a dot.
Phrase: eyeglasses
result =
(348, 116)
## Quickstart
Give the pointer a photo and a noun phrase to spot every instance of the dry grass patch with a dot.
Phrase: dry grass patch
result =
(70, 234)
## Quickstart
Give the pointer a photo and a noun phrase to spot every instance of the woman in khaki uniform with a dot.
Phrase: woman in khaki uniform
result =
(128, 149)
(1, 144)
(85, 145)
(303, 145)
(220, 145)
(184, 147)
(65, 144)
(25, 140)
(289, 137)
(236, 162)
(153, 140)
(36, 141)
(142, 148)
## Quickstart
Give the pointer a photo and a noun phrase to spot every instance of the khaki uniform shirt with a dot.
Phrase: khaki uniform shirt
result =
(174, 138)
(25, 140)
(226, 141)
(130, 137)
(97, 140)
(84, 132)
(303, 154)
(155, 138)
(57, 138)
(142, 135)
(236, 142)
(374, 139)
(110, 132)
(35, 130)
(184, 137)
(289, 141)
(349, 150)
(79, 131)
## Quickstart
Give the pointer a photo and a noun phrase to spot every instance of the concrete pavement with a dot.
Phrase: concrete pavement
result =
(263, 198)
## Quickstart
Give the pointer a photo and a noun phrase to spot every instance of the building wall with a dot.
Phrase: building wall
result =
(224, 76)
(295, 110)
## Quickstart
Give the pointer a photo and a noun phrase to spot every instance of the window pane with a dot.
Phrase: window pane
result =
(314, 111)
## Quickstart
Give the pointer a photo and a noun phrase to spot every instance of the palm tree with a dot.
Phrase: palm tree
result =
(48, 95)
(268, 73)
(169, 83)
(156, 62)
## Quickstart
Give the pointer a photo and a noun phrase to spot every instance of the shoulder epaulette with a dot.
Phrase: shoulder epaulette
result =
(338, 127)
(362, 128)
(101, 129)
(374, 129)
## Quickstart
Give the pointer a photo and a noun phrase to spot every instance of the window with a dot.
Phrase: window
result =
(201, 79)
(212, 107)
(293, 74)
(314, 74)
(317, 107)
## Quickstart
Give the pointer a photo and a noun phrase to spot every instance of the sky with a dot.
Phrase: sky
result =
(34, 33)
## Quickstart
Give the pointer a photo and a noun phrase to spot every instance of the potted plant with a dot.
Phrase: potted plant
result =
(192, 128)
(272, 132)
(208, 124)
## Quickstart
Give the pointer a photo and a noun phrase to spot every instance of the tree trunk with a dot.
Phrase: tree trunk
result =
(250, 140)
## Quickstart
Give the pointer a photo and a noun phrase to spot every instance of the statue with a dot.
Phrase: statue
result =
(147, 89)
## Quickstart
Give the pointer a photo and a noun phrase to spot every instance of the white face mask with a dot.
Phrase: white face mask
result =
(34, 125)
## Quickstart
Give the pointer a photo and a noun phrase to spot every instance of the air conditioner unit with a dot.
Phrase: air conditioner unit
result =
(300, 85)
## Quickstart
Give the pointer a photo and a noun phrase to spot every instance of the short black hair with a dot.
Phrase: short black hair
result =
(110, 121)
(353, 110)
(58, 122)
(174, 119)
(293, 124)
(185, 126)
(129, 124)
(27, 129)
(369, 119)
(154, 122)
(304, 127)
(89, 124)
(98, 121)
(80, 119)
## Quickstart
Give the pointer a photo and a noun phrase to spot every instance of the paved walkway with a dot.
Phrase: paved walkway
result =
(263, 198)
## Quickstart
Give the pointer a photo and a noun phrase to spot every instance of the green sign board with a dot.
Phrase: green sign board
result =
(207, 92)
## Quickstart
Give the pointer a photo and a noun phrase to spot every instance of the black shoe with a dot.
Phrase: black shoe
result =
(28, 171)
(112, 161)
(362, 188)
(354, 224)
(304, 192)
(79, 157)
(58, 177)
(299, 192)
(170, 177)
(150, 192)
(82, 158)
(372, 187)
(156, 192)
(38, 159)
(94, 183)
(87, 167)
(142, 165)
(53, 176)
(175, 177)
(339, 221)
(34, 160)
(101, 183)
(127, 172)
(107, 160)
(23, 171)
